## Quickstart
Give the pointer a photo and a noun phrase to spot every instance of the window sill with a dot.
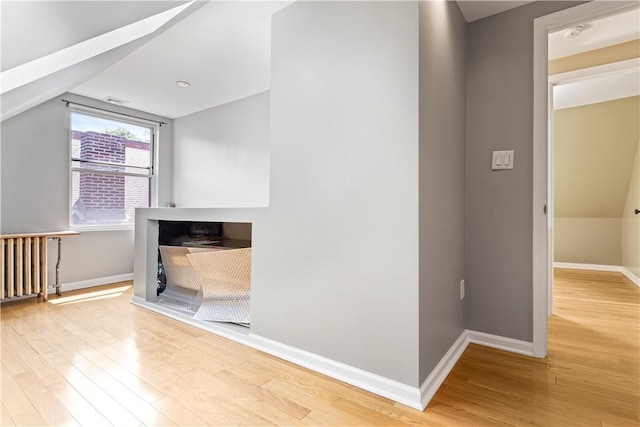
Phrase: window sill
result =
(92, 228)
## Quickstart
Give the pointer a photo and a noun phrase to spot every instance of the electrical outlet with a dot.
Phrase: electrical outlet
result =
(461, 289)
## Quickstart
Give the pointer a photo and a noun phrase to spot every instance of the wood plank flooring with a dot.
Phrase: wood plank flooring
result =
(91, 358)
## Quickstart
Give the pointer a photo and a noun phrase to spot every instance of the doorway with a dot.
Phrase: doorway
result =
(543, 227)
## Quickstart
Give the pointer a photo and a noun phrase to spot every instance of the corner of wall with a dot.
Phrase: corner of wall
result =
(441, 156)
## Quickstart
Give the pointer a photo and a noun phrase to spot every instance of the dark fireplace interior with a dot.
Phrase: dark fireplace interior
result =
(176, 233)
(213, 235)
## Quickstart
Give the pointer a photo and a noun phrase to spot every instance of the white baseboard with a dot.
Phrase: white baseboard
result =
(435, 379)
(365, 380)
(413, 397)
(578, 266)
(82, 284)
(598, 267)
(635, 279)
(394, 390)
(501, 343)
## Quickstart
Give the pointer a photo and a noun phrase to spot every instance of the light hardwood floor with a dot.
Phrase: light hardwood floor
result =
(91, 358)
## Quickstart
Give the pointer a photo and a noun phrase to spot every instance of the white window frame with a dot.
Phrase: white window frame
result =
(153, 186)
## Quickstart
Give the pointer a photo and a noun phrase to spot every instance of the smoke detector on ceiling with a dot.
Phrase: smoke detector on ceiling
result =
(573, 32)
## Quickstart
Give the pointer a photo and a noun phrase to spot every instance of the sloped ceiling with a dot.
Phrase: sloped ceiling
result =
(223, 50)
(596, 119)
(594, 151)
(32, 29)
(600, 88)
(20, 52)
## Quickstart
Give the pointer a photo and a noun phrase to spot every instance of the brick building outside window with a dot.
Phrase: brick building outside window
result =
(111, 170)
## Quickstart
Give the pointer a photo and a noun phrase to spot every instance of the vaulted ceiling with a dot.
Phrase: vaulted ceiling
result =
(33, 29)
(48, 48)
(594, 151)
(221, 48)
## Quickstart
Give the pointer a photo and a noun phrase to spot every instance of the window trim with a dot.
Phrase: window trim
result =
(152, 176)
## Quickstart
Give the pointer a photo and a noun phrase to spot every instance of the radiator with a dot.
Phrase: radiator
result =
(23, 267)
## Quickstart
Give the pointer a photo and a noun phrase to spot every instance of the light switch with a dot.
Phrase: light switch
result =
(502, 160)
(497, 159)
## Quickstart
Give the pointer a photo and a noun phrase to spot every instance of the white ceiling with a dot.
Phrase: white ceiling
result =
(223, 49)
(478, 9)
(595, 84)
(601, 88)
(33, 29)
(599, 33)
(69, 56)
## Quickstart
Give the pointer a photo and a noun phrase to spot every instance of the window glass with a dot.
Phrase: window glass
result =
(111, 168)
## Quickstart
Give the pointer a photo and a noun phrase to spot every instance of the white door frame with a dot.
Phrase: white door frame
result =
(541, 234)
(555, 80)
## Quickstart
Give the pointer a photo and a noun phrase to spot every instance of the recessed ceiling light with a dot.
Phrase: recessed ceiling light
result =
(572, 32)
(182, 83)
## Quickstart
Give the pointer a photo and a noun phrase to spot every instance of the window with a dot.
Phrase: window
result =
(111, 169)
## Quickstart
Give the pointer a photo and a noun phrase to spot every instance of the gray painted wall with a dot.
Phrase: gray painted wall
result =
(499, 241)
(221, 156)
(34, 192)
(339, 272)
(442, 178)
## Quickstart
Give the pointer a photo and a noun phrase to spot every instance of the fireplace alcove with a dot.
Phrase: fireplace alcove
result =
(204, 270)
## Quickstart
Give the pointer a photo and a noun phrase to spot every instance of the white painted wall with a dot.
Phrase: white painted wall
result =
(221, 156)
(34, 192)
(339, 272)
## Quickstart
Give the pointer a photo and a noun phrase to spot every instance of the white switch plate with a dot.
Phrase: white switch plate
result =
(502, 160)
(462, 289)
